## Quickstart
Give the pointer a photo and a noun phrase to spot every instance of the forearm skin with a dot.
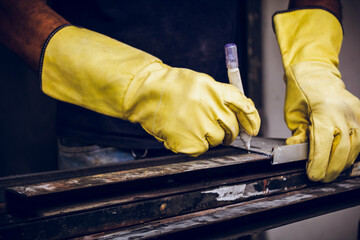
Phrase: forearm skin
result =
(25, 25)
(333, 6)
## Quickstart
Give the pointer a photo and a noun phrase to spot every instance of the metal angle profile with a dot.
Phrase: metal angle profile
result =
(276, 149)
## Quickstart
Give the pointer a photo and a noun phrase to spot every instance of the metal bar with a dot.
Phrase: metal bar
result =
(235, 189)
(31, 200)
(174, 204)
(34, 178)
(247, 217)
(276, 149)
(260, 145)
(134, 174)
(65, 208)
(290, 153)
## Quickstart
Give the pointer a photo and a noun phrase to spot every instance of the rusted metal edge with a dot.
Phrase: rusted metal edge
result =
(33, 178)
(215, 193)
(134, 174)
(172, 227)
(61, 204)
(276, 149)
(204, 201)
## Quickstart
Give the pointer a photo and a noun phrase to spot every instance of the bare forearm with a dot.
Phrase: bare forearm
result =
(25, 25)
(333, 5)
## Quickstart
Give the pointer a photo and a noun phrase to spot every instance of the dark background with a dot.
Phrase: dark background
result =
(28, 140)
(27, 119)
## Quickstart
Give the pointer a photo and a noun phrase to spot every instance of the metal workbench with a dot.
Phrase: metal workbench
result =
(224, 194)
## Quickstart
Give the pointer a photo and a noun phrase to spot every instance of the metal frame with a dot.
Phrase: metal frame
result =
(176, 196)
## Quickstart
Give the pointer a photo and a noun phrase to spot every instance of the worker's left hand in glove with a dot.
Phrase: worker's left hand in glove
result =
(187, 110)
(317, 104)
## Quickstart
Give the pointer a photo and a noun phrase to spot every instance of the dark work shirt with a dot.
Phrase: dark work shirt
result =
(182, 33)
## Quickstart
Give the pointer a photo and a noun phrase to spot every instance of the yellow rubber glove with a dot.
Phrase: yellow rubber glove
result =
(317, 104)
(187, 110)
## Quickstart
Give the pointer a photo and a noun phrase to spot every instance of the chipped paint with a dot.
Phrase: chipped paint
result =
(134, 174)
(211, 216)
(345, 185)
(355, 170)
(42, 187)
(229, 193)
(327, 189)
(236, 192)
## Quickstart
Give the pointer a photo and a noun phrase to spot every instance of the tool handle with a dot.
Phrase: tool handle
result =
(232, 64)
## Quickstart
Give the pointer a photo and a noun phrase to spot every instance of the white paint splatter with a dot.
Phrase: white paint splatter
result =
(47, 187)
(229, 193)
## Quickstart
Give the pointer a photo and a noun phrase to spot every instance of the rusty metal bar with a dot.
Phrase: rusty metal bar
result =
(43, 199)
(240, 190)
(34, 178)
(83, 205)
(171, 204)
(242, 219)
(134, 174)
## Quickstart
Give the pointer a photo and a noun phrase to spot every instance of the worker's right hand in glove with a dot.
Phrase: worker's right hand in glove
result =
(317, 104)
(187, 110)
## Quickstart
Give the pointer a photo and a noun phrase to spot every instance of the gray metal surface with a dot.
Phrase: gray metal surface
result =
(276, 149)
(290, 153)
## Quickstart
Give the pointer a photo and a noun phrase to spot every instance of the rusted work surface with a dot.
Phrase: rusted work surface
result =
(294, 206)
(204, 201)
(100, 190)
(66, 208)
(207, 194)
(34, 178)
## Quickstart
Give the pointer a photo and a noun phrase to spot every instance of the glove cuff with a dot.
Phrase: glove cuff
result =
(89, 69)
(41, 61)
(305, 8)
(309, 34)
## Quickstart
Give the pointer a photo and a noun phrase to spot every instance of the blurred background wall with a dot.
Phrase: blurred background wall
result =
(341, 224)
(272, 71)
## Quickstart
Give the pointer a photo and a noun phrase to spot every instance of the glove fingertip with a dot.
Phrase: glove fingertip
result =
(230, 133)
(192, 149)
(315, 175)
(250, 122)
(246, 112)
(330, 178)
(294, 140)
